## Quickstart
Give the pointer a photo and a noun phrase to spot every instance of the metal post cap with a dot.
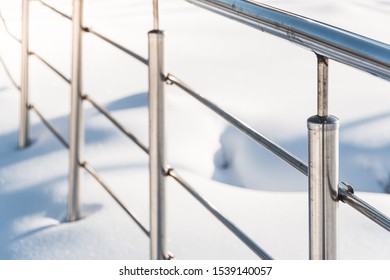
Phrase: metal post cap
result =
(327, 123)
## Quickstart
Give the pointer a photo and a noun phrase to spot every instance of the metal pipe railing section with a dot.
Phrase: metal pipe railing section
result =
(340, 45)
(55, 70)
(298, 164)
(24, 121)
(90, 170)
(279, 26)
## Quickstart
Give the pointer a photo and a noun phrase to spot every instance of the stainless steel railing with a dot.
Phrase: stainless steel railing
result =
(324, 191)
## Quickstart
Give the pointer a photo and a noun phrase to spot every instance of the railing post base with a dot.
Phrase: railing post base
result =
(323, 186)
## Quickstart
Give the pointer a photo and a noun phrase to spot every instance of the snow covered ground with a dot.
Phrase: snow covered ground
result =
(268, 83)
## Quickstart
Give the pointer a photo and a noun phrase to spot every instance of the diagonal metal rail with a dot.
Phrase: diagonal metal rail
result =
(329, 42)
(49, 126)
(346, 195)
(54, 9)
(9, 74)
(8, 31)
(116, 45)
(213, 210)
(258, 137)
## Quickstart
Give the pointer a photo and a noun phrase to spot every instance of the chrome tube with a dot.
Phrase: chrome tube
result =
(323, 188)
(343, 46)
(155, 15)
(157, 146)
(76, 128)
(24, 127)
(322, 86)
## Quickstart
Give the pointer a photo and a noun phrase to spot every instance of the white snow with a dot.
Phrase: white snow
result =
(265, 81)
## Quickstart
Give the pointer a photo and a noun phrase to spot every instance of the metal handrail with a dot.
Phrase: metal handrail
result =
(340, 45)
(355, 50)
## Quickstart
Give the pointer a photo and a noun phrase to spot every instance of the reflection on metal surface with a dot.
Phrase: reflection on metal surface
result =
(346, 47)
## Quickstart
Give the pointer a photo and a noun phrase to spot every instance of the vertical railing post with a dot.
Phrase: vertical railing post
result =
(76, 136)
(157, 141)
(323, 174)
(24, 127)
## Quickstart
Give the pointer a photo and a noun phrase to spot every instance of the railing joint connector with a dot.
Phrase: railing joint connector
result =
(347, 187)
(168, 80)
(168, 170)
(31, 53)
(86, 29)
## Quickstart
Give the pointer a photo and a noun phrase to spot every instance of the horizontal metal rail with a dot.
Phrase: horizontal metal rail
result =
(8, 31)
(98, 178)
(340, 45)
(346, 195)
(51, 67)
(116, 45)
(54, 9)
(116, 123)
(9, 74)
(49, 126)
(259, 138)
(213, 210)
